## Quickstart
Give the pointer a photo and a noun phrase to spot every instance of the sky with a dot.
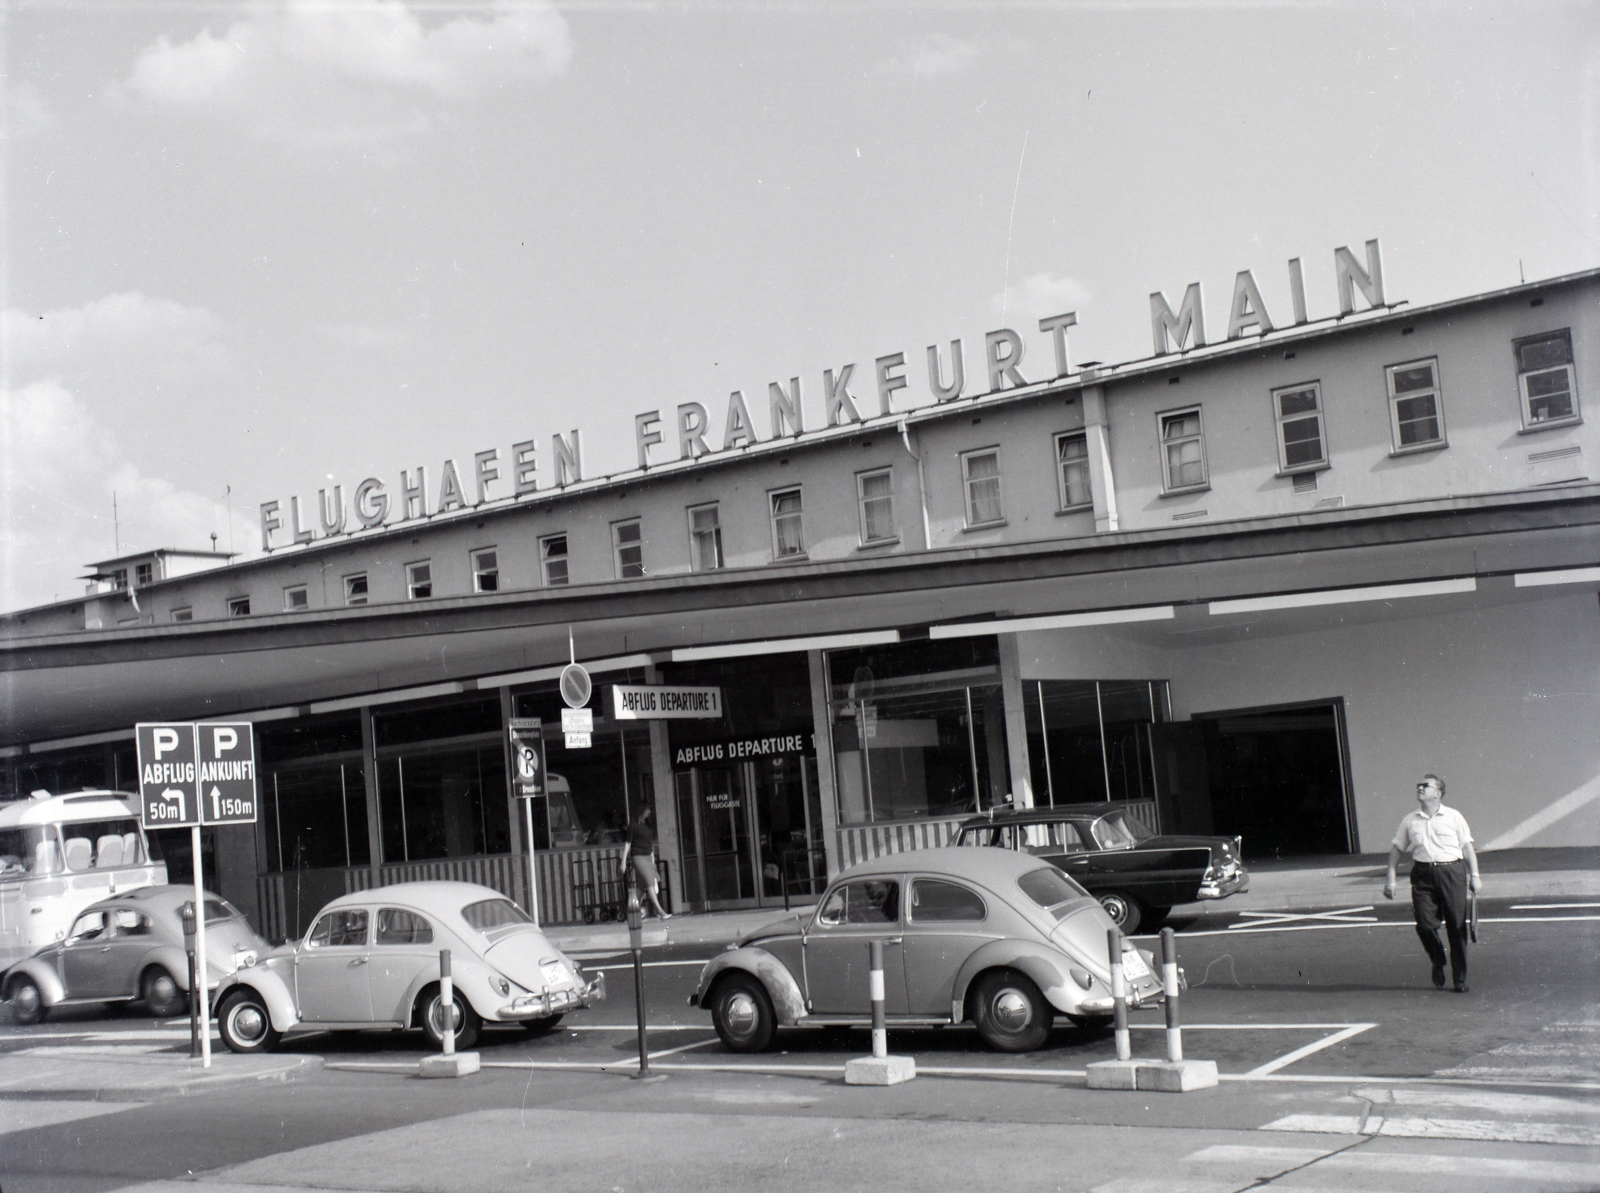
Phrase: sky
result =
(255, 250)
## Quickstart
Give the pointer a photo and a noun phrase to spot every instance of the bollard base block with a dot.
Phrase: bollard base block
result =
(1114, 1074)
(457, 1064)
(1177, 1076)
(879, 1070)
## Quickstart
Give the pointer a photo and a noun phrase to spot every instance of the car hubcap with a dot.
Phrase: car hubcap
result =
(27, 999)
(1116, 909)
(248, 1024)
(438, 1016)
(163, 989)
(740, 1014)
(1010, 1010)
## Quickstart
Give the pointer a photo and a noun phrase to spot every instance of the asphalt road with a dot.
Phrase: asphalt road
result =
(1343, 1068)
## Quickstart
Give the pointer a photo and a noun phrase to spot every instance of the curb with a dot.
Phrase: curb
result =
(185, 1085)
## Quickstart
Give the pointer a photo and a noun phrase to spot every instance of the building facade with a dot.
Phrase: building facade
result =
(1254, 587)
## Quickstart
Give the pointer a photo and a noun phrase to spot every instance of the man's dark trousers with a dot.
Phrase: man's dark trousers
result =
(1439, 895)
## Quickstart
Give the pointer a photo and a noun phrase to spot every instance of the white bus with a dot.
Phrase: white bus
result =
(60, 853)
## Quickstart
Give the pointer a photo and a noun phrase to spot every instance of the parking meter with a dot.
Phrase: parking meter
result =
(187, 911)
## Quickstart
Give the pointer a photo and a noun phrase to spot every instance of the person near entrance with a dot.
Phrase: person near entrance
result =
(639, 856)
(1443, 866)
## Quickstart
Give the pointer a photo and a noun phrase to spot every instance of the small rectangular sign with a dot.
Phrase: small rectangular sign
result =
(577, 720)
(527, 756)
(579, 741)
(166, 776)
(227, 772)
(661, 702)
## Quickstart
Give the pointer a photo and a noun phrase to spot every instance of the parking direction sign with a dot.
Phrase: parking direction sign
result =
(167, 776)
(227, 772)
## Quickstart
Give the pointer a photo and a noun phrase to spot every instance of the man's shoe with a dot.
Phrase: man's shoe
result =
(1438, 976)
(1461, 985)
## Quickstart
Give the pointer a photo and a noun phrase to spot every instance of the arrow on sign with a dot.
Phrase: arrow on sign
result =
(174, 793)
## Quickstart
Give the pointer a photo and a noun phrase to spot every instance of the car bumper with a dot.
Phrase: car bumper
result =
(1236, 885)
(555, 1002)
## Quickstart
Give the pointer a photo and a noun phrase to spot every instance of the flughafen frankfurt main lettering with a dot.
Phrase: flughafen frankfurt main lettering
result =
(372, 504)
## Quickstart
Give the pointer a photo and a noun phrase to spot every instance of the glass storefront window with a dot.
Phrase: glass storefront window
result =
(443, 802)
(316, 816)
(1088, 741)
(918, 730)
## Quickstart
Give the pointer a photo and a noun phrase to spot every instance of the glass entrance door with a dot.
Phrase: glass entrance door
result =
(751, 833)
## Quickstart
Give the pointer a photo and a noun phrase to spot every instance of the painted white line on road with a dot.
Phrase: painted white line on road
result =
(1548, 906)
(1538, 919)
(1253, 929)
(1316, 1124)
(683, 1048)
(647, 965)
(1492, 1130)
(1355, 1029)
(1523, 1105)
(1308, 915)
(1516, 1171)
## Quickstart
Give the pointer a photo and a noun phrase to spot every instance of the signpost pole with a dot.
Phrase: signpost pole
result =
(197, 988)
(533, 864)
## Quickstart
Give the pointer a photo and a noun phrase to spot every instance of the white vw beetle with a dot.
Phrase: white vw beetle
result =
(371, 960)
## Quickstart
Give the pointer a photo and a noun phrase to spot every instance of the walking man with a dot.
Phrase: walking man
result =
(641, 851)
(1443, 866)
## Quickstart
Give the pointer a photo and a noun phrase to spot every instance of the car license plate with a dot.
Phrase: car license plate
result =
(1133, 965)
(554, 972)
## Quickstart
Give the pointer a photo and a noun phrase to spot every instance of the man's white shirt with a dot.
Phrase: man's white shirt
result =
(1441, 837)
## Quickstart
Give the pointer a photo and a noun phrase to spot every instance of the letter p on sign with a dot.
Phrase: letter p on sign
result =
(223, 739)
(166, 741)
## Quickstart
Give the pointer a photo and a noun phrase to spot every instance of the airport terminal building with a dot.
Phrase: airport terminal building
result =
(1257, 585)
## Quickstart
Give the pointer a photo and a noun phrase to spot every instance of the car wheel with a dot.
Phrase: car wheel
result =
(742, 1013)
(27, 1004)
(538, 1027)
(466, 1019)
(1011, 1014)
(244, 1024)
(1123, 910)
(162, 995)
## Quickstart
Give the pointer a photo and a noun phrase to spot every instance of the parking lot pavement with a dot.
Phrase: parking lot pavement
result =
(99, 1061)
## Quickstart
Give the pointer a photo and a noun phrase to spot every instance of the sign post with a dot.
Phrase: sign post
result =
(192, 775)
(527, 757)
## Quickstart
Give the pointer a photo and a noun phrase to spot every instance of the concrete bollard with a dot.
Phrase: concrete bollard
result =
(1169, 987)
(1173, 1075)
(1119, 994)
(449, 1062)
(880, 1068)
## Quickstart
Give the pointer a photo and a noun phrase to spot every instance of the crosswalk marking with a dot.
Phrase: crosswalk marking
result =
(1498, 1130)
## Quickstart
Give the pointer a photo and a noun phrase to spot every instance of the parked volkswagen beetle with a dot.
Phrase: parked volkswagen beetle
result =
(371, 960)
(130, 948)
(1002, 939)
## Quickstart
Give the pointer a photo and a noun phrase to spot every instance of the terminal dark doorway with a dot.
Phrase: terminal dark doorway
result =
(1278, 777)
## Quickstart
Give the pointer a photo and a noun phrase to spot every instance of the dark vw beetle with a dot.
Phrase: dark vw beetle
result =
(1001, 939)
(131, 948)
(1136, 874)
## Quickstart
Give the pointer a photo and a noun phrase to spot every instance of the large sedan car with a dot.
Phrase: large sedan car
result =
(371, 960)
(1001, 939)
(130, 948)
(1136, 874)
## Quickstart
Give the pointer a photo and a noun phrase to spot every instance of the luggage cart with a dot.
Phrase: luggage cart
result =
(598, 893)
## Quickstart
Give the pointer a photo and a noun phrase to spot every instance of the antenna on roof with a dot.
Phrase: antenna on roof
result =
(116, 529)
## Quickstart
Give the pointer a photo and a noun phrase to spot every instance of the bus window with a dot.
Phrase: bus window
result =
(28, 851)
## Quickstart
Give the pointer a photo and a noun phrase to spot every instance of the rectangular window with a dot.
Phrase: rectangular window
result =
(119, 579)
(553, 559)
(239, 606)
(1548, 385)
(184, 614)
(705, 538)
(485, 571)
(355, 589)
(1183, 451)
(875, 492)
(419, 580)
(980, 474)
(1298, 410)
(787, 536)
(295, 598)
(627, 545)
(1072, 470)
(143, 573)
(1416, 417)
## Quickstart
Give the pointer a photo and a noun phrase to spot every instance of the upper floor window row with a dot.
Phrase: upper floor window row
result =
(1546, 381)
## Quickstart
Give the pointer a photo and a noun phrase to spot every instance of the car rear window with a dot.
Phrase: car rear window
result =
(1051, 889)
(492, 914)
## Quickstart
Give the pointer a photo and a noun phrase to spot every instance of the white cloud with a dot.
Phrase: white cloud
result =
(60, 462)
(60, 468)
(337, 74)
(934, 55)
(1040, 295)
